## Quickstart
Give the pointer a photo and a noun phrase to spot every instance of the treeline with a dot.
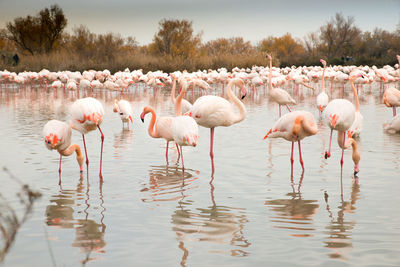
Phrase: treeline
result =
(42, 42)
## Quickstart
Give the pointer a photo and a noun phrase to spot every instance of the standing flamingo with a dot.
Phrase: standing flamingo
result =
(185, 130)
(87, 115)
(159, 127)
(57, 135)
(357, 125)
(293, 127)
(322, 98)
(339, 115)
(278, 95)
(391, 98)
(211, 111)
(186, 106)
(124, 109)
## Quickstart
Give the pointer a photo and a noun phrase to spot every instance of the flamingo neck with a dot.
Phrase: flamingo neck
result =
(270, 75)
(323, 80)
(178, 103)
(355, 96)
(173, 91)
(74, 148)
(151, 130)
(355, 153)
(236, 102)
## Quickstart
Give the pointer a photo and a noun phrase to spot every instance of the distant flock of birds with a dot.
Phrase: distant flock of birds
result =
(211, 111)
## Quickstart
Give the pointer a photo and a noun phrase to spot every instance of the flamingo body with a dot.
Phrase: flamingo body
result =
(86, 114)
(124, 109)
(185, 131)
(339, 114)
(57, 135)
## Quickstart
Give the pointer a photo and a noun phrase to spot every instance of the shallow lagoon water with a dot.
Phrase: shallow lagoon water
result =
(150, 213)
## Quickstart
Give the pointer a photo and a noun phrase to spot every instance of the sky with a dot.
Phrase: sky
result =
(252, 19)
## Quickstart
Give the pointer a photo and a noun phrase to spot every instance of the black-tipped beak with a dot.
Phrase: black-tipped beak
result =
(81, 171)
(142, 119)
(355, 173)
(243, 96)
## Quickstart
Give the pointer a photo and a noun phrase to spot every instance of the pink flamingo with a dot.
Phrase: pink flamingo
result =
(211, 111)
(357, 125)
(293, 127)
(57, 135)
(391, 98)
(186, 106)
(124, 109)
(185, 130)
(87, 115)
(159, 127)
(322, 98)
(278, 95)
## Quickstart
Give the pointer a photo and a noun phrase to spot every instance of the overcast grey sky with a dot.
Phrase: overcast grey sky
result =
(252, 19)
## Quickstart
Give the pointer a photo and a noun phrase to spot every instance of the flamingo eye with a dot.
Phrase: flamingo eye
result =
(121, 113)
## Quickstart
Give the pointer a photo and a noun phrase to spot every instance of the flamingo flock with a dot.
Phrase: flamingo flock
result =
(211, 110)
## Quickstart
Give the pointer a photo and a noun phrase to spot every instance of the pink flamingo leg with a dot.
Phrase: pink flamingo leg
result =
(59, 168)
(341, 164)
(291, 161)
(287, 106)
(101, 152)
(179, 154)
(183, 164)
(212, 149)
(394, 111)
(166, 152)
(279, 111)
(328, 153)
(301, 158)
(84, 145)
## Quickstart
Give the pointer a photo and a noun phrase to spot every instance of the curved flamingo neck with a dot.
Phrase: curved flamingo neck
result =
(323, 80)
(236, 102)
(178, 103)
(70, 150)
(152, 131)
(173, 91)
(355, 96)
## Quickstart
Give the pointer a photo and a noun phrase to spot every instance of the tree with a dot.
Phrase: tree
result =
(175, 38)
(38, 34)
(232, 46)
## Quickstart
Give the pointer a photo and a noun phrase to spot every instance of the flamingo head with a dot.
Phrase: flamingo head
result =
(146, 110)
(243, 91)
(268, 56)
(192, 139)
(323, 62)
(51, 141)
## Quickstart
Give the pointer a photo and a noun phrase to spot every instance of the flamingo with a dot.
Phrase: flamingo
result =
(391, 98)
(211, 111)
(357, 125)
(185, 130)
(159, 127)
(393, 126)
(322, 98)
(186, 106)
(339, 114)
(57, 135)
(278, 95)
(124, 109)
(87, 115)
(293, 127)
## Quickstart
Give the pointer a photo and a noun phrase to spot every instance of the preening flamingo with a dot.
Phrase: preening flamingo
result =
(124, 109)
(87, 115)
(57, 135)
(185, 130)
(357, 125)
(322, 98)
(278, 95)
(393, 126)
(391, 98)
(211, 111)
(293, 127)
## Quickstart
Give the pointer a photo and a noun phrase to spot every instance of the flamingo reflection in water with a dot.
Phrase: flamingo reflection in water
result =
(339, 229)
(62, 214)
(294, 213)
(218, 224)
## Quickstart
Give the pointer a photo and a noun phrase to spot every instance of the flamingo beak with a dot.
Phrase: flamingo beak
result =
(244, 92)
(356, 170)
(142, 116)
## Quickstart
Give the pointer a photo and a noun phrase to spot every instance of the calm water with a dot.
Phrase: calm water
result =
(150, 213)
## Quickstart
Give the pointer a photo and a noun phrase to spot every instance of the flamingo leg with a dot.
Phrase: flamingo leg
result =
(287, 106)
(291, 161)
(179, 154)
(212, 149)
(279, 111)
(301, 158)
(394, 111)
(341, 164)
(59, 168)
(101, 152)
(183, 164)
(84, 145)
(166, 152)
(328, 153)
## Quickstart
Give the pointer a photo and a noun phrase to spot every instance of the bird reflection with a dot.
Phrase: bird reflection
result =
(218, 224)
(65, 210)
(294, 213)
(122, 141)
(339, 230)
(168, 183)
